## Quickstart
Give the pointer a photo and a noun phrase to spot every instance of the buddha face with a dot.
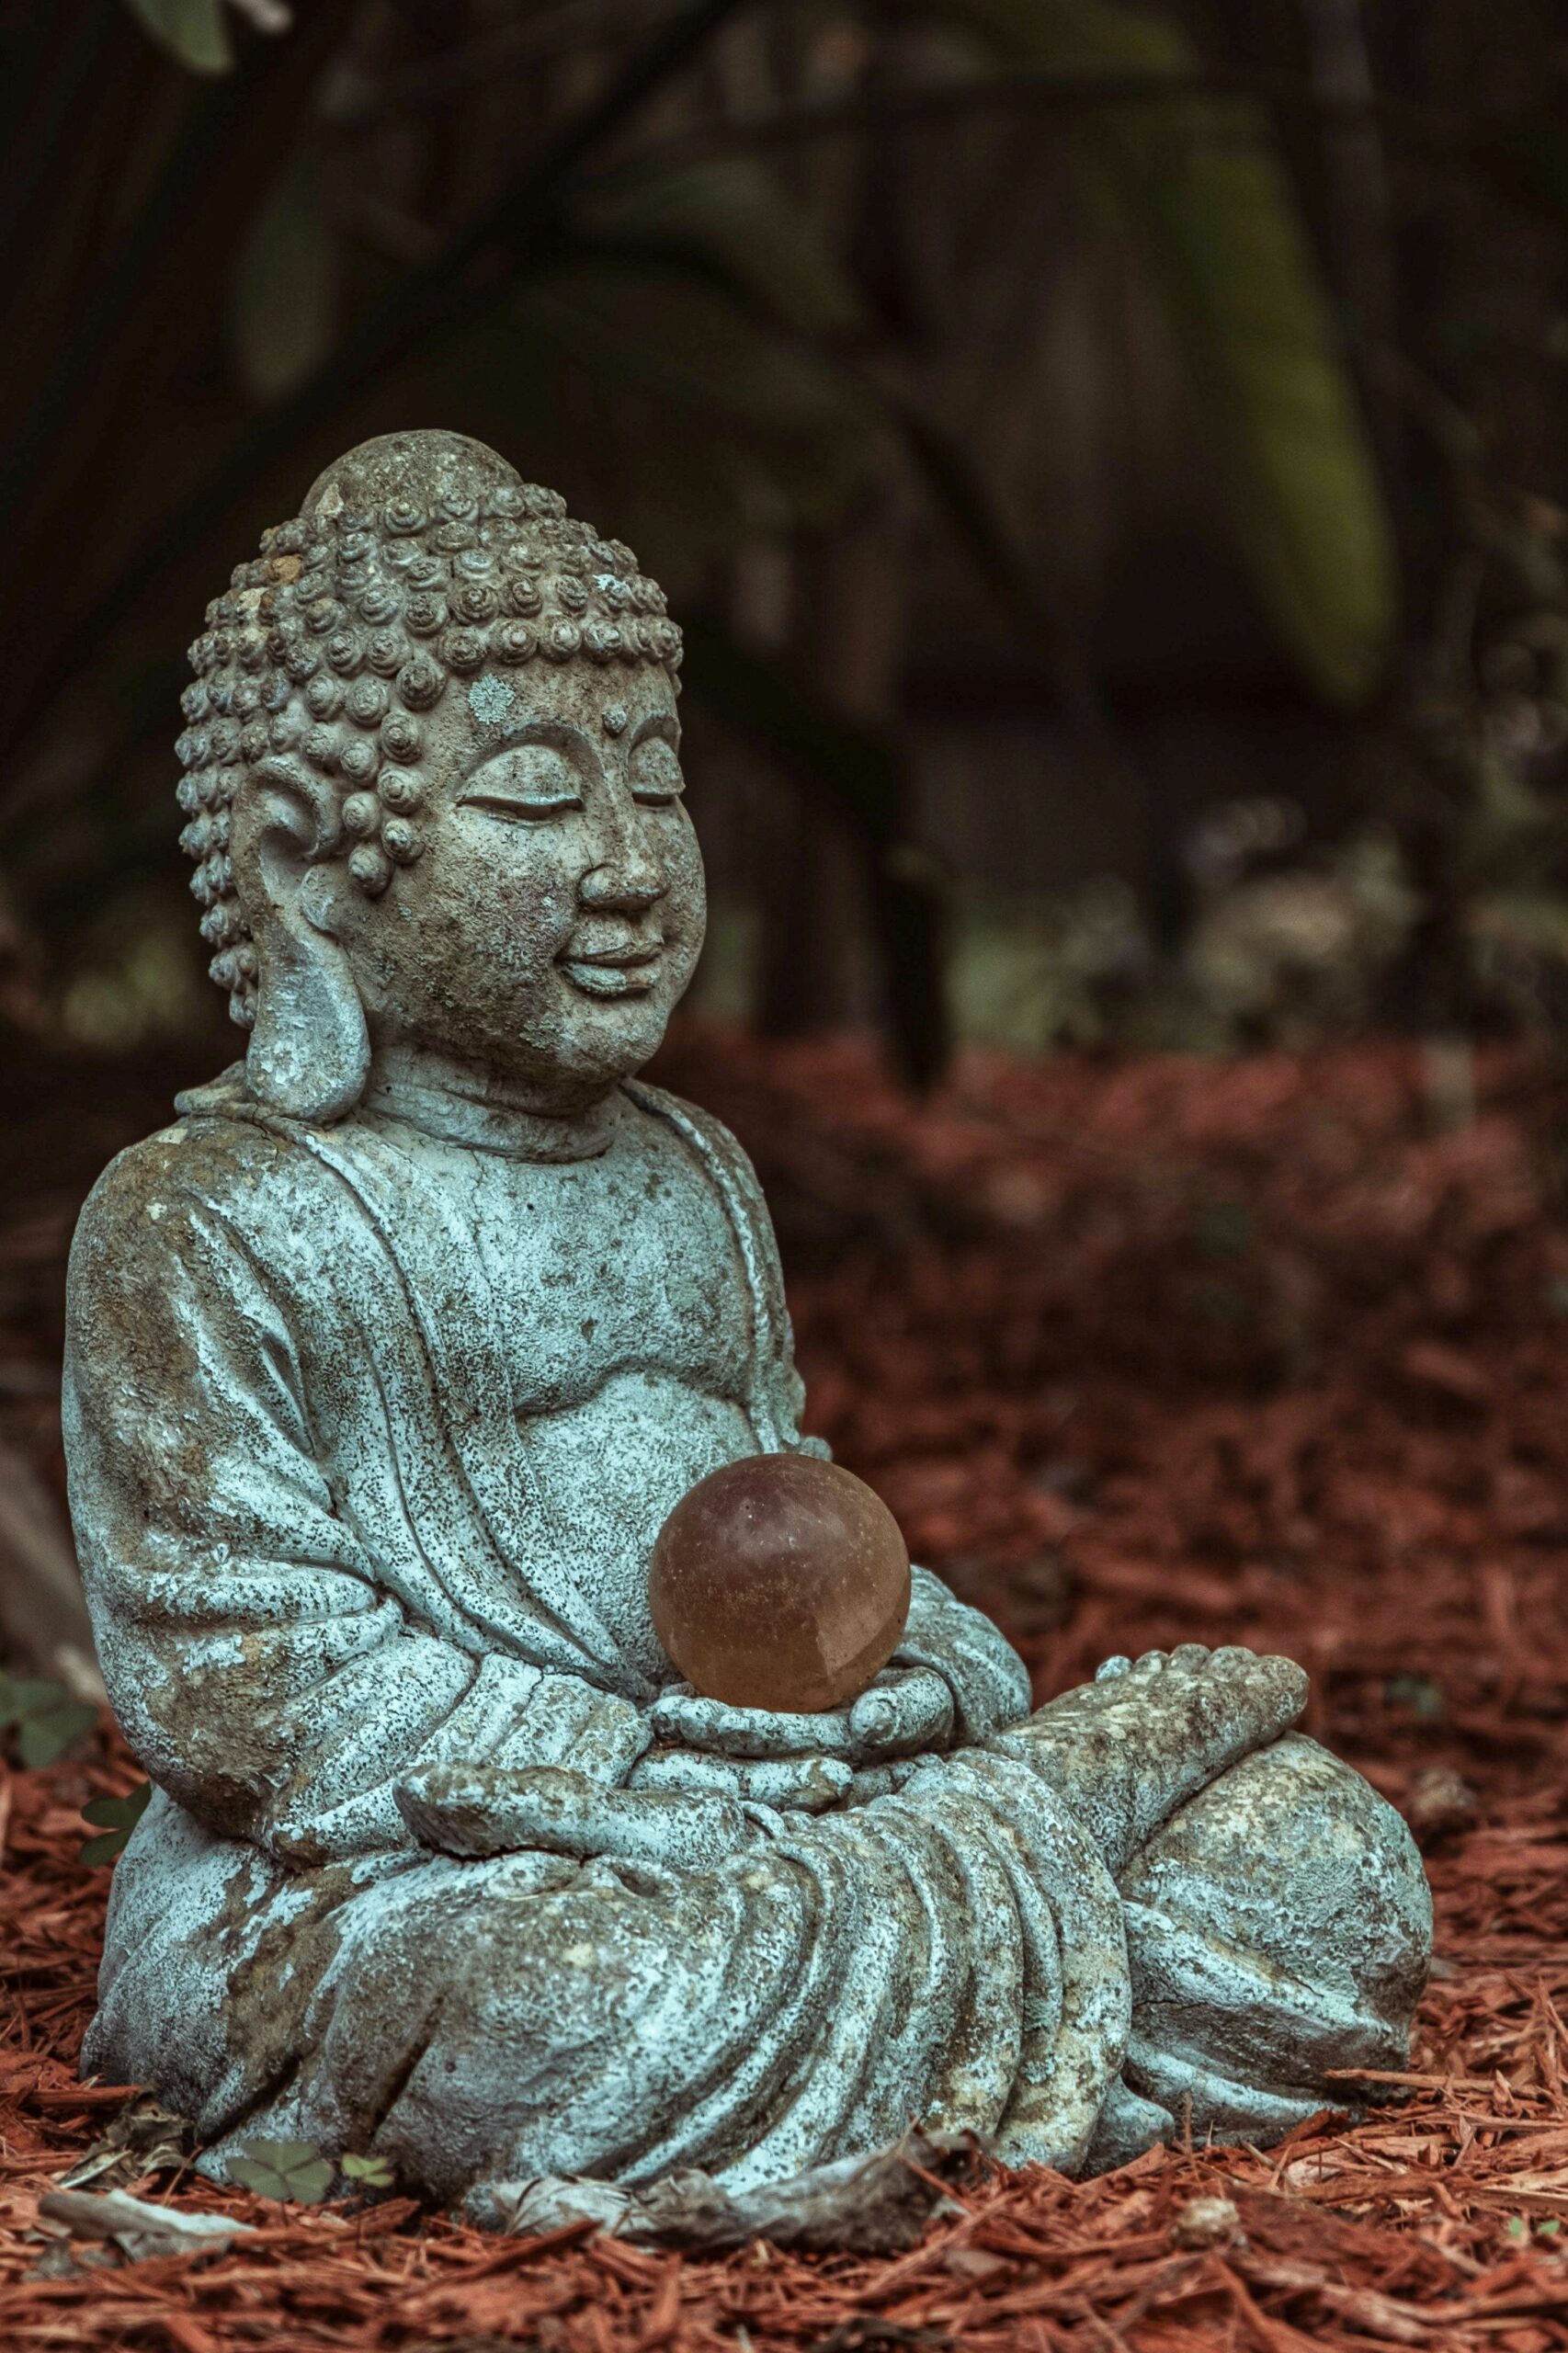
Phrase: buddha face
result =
(556, 912)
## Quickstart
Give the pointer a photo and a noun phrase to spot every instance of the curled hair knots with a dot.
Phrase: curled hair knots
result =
(334, 644)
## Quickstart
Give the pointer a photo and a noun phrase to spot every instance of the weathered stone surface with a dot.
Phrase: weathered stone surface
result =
(879, 2204)
(387, 1364)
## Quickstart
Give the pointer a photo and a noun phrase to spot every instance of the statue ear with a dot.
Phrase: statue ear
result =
(310, 1050)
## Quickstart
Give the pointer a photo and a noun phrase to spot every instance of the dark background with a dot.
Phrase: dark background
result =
(1110, 459)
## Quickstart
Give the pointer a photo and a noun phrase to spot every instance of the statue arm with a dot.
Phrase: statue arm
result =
(261, 1672)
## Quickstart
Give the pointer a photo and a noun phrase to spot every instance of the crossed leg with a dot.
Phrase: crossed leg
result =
(1279, 1921)
(1124, 1751)
(1278, 1928)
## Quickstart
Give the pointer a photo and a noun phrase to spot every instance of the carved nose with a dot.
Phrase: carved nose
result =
(630, 879)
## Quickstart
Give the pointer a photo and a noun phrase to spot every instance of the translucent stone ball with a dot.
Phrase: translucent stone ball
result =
(779, 1581)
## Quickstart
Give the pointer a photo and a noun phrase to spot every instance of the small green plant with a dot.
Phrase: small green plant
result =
(114, 1819)
(1419, 1693)
(367, 2173)
(43, 1719)
(283, 2169)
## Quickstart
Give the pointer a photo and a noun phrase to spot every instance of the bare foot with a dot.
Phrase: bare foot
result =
(1125, 1751)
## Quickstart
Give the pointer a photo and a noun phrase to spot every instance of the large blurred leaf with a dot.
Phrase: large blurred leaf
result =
(192, 31)
(736, 216)
(673, 338)
(1199, 178)
(685, 410)
(280, 325)
(1525, 158)
(665, 351)
(705, 309)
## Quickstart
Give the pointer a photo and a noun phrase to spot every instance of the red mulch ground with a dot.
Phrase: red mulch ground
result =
(1140, 1353)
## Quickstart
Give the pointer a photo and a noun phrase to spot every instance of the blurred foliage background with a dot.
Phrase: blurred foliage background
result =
(1109, 459)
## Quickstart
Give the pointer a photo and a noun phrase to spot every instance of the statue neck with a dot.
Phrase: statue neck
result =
(462, 1104)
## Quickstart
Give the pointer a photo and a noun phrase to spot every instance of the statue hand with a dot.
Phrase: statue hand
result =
(788, 1784)
(907, 1708)
(683, 1719)
(904, 1709)
(481, 1810)
(988, 1681)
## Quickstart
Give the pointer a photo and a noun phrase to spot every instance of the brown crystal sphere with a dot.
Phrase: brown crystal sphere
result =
(779, 1581)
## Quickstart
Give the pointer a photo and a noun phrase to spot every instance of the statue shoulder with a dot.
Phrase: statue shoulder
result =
(242, 1176)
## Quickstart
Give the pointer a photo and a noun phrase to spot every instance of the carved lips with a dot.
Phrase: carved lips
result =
(631, 969)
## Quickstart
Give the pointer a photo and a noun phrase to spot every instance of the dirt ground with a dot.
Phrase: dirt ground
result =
(1270, 1352)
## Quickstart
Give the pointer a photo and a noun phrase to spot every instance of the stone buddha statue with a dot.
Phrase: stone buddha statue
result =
(387, 1363)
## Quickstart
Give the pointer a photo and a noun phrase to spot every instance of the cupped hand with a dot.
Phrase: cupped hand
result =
(787, 1784)
(476, 1810)
(906, 1709)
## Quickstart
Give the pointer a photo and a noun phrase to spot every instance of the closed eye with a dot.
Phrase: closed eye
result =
(656, 779)
(498, 804)
(527, 781)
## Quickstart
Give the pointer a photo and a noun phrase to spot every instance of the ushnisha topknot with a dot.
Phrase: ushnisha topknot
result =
(416, 557)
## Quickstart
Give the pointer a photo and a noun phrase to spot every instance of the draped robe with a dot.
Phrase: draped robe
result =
(318, 1558)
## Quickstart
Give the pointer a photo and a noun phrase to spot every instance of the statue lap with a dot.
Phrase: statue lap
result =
(492, 2021)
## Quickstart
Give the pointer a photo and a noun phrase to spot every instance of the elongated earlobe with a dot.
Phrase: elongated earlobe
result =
(310, 1050)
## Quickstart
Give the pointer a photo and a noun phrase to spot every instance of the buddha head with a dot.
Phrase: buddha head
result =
(434, 788)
